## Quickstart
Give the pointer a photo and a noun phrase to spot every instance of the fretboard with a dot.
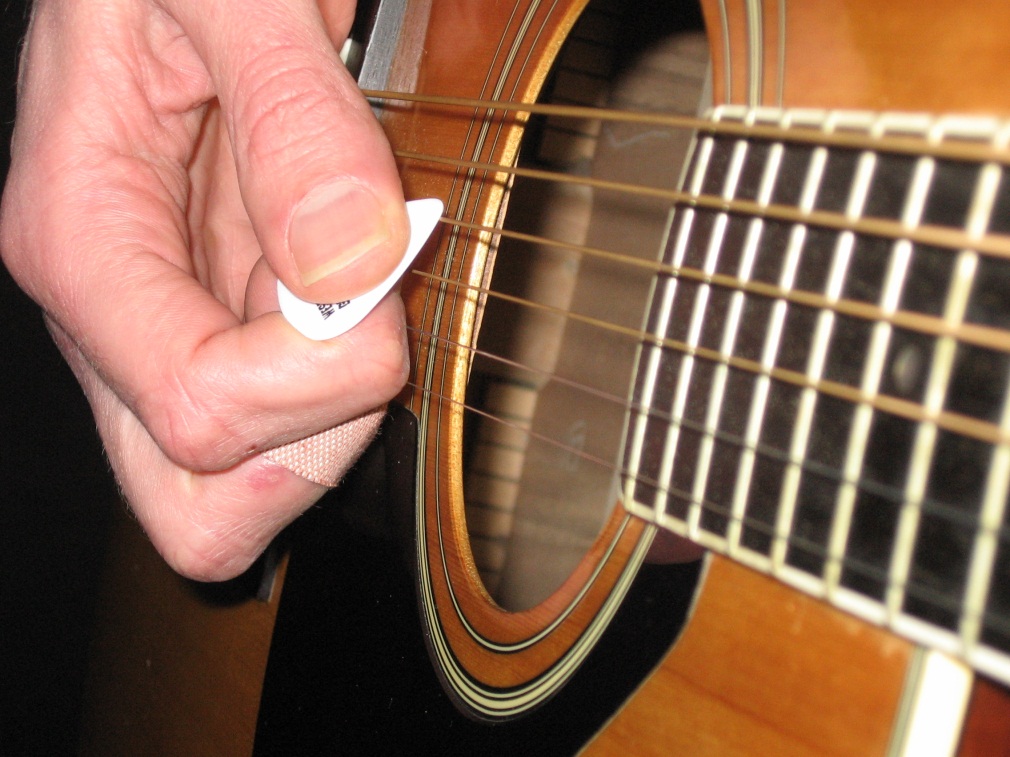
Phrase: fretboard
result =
(824, 396)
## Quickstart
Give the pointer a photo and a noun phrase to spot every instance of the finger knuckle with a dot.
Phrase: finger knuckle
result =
(282, 106)
(190, 430)
(388, 366)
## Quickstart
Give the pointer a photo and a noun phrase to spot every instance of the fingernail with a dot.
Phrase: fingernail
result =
(334, 226)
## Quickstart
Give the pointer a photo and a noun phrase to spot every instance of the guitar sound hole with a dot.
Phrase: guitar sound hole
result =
(543, 452)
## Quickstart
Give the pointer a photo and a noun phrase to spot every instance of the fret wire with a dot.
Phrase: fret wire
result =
(996, 245)
(730, 332)
(814, 585)
(873, 370)
(985, 200)
(706, 147)
(752, 559)
(637, 440)
(924, 441)
(980, 335)
(709, 435)
(984, 550)
(773, 337)
(983, 557)
(925, 437)
(678, 219)
(962, 148)
(937, 385)
(702, 295)
(668, 296)
(684, 379)
(841, 257)
(666, 292)
(672, 437)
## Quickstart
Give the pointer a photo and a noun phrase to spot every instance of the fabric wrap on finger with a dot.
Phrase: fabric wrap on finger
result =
(325, 457)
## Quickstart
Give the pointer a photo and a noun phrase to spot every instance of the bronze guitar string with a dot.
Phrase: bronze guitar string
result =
(920, 323)
(937, 236)
(996, 245)
(963, 150)
(791, 539)
(954, 422)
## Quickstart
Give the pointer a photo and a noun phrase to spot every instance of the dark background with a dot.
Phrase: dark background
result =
(56, 497)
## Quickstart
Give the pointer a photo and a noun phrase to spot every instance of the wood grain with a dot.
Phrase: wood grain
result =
(898, 55)
(987, 726)
(761, 669)
(175, 668)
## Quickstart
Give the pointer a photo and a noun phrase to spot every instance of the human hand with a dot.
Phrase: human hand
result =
(171, 158)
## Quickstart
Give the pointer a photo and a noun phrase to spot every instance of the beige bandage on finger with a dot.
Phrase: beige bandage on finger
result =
(325, 457)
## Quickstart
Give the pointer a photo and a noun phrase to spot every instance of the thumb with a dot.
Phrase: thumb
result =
(316, 174)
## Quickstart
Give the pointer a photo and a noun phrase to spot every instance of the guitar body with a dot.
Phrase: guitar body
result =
(758, 668)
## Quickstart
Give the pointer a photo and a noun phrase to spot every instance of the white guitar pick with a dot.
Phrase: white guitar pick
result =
(326, 321)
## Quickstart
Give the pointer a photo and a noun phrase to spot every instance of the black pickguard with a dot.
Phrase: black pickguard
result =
(349, 672)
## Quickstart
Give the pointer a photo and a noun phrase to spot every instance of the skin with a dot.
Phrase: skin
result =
(165, 152)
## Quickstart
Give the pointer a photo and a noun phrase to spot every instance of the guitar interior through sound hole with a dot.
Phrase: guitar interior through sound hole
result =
(543, 449)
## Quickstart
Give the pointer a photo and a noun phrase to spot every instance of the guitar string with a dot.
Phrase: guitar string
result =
(920, 323)
(979, 151)
(892, 493)
(928, 506)
(977, 334)
(994, 245)
(924, 594)
(928, 235)
(961, 425)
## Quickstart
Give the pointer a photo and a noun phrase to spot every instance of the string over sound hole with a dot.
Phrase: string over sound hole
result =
(554, 362)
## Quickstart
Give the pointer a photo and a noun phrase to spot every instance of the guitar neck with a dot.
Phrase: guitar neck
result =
(823, 394)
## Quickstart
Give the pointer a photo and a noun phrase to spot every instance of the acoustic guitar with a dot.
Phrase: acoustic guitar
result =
(721, 280)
